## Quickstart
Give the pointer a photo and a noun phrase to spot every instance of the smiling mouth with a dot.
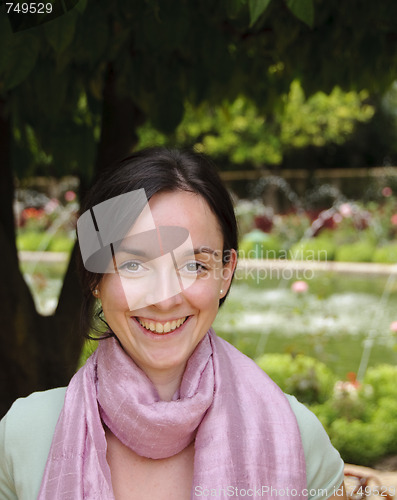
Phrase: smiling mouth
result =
(156, 327)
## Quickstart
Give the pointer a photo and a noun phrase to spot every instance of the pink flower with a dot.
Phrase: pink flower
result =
(393, 326)
(51, 205)
(345, 210)
(337, 218)
(393, 219)
(299, 287)
(70, 196)
(387, 191)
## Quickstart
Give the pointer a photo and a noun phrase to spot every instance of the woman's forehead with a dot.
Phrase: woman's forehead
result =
(185, 209)
(176, 215)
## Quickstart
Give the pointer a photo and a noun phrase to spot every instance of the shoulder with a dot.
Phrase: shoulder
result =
(45, 404)
(34, 415)
(25, 438)
(324, 466)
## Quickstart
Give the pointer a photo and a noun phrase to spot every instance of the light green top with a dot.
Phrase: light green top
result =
(27, 429)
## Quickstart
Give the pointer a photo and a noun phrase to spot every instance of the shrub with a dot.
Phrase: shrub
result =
(306, 378)
(385, 416)
(361, 421)
(386, 254)
(383, 381)
(320, 248)
(359, 442)
(259, 245)
(32, 241)
(360, 251)
(362, 424)
(61, 243)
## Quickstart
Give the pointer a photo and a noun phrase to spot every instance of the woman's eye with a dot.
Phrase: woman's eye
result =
(195, 267)
(131, 267)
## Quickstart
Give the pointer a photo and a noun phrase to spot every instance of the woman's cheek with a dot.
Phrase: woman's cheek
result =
(113, 294)
(203, 293)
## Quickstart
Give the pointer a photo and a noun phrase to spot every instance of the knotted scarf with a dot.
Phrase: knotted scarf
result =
(246, 435)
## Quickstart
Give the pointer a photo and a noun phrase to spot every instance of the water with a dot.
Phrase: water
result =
(332, 321)
(347, 328)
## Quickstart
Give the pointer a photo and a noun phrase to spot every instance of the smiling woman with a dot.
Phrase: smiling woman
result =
(164, 408)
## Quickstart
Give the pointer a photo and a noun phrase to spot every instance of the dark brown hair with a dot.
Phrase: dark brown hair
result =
(158, 170)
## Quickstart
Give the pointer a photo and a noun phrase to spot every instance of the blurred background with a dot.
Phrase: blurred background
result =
(296, 102)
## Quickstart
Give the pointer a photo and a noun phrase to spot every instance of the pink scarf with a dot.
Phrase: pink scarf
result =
(246, 435)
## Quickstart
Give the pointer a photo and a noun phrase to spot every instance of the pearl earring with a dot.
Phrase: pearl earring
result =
(96, 292)
(220, 292)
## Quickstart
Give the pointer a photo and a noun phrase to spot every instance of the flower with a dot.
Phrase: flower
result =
(299, 287)
(352, 378)
(393, 219)
(393, 326)
(387, 191)
(337, 218)
(51, 206)
(345, 210)
(70, 196)
(32, 213)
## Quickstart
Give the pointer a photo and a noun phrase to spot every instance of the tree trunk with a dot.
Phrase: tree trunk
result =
(19, 352)
(41, 352)
(120, 119)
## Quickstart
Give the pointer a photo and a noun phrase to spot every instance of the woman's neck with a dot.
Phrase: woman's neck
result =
(167, 383)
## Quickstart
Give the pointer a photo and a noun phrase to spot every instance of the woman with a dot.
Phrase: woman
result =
(164, 409)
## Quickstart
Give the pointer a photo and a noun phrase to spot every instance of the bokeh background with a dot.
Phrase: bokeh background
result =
(296, 102)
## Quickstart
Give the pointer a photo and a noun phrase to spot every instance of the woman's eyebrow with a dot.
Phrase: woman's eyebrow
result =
(205, 250)
(133, 251)
(143, 253)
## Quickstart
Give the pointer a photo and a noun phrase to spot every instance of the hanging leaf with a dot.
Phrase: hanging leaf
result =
(20, 58)
(50, 88)
(303, 10)
(5, 35)
(167, 109)
(257, 7)
(81, 6)
(233, 7)
(91, 39)
(60, 32)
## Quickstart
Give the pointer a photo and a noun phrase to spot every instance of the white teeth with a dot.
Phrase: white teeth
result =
(157, 327)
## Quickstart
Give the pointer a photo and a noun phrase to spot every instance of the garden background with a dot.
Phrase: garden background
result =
(296, 101)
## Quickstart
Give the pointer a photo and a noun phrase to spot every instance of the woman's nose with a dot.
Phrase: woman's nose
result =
(165, 290)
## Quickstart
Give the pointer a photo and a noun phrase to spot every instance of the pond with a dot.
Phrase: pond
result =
(338, 320)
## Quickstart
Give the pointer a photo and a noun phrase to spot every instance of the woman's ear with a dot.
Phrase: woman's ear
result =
(227, 272)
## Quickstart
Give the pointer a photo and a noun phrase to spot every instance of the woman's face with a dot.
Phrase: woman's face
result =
(161, 334)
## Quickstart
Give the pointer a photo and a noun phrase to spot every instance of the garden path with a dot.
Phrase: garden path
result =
(301, 265)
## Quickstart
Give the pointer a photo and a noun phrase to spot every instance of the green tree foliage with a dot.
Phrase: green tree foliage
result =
(159, 55)
(238, 133)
